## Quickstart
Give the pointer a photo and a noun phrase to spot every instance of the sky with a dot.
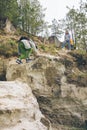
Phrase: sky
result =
(57, 8)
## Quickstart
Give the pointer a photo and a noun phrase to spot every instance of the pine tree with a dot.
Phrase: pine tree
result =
(9, 9)
(76, 21)
(31, 16)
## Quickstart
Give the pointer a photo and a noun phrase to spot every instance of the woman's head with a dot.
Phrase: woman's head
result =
(67, 32)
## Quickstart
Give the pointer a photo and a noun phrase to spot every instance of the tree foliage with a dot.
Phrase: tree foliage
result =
(56, 28)
(27, 14)
(76, 22)
(9, 9)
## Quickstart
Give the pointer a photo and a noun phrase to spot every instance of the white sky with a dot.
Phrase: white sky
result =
(57, 8)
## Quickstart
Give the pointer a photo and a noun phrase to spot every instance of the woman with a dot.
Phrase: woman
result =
(66, 40)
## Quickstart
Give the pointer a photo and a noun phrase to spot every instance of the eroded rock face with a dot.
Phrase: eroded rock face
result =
(2, 70)
(19, 109)
(55, 81)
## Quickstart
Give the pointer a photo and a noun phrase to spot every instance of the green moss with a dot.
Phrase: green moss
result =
(12, 42)
(42, 47)
(48, 48)
(8, 48)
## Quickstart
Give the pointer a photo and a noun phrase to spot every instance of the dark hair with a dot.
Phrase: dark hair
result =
(23, 37)
(67, 32)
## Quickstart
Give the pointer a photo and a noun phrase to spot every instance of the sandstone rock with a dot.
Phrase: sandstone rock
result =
(19, 109)
(56, 84)
(9, 28)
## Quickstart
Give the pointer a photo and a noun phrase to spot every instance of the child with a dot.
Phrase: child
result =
(25, 46)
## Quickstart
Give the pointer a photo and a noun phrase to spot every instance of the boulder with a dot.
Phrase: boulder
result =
(19, 109)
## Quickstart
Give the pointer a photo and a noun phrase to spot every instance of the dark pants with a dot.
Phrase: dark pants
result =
(66, 43)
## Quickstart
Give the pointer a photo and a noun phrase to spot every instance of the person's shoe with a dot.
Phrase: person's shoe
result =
(27, 60)
(19, 61)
